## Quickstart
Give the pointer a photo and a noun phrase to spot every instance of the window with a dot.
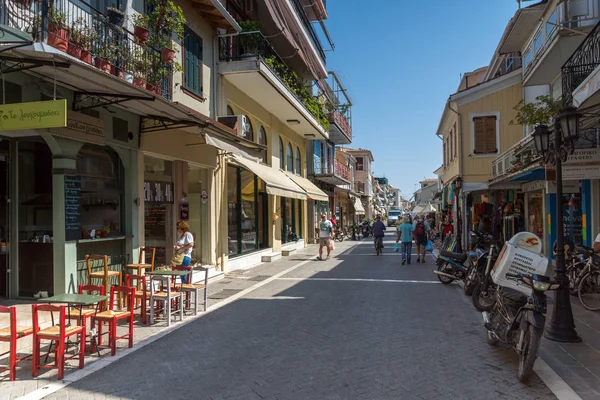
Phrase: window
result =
(290, 158)
(455, 141)
(538, 42)
(192, 62)
(249, 133)
(262, 136)
(359, 164)
(485, 134)
(445, 154)
(527, 57)
(551, 24)
(298, 162)
(450, 155)
(281, 164)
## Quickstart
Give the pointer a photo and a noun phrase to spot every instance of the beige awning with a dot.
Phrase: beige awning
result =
(358, 207)
(310, 188)
(277, 182)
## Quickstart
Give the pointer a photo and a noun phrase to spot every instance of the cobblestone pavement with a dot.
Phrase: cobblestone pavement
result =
(346, 328)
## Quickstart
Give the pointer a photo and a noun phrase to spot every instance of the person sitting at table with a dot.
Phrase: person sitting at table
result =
(183, 247)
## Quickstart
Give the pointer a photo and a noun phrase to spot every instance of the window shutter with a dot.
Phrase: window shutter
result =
(192, 64)
(485, 135)
(490, 135)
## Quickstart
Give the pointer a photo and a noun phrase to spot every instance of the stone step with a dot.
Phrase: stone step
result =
(271, 257)
(288, 252)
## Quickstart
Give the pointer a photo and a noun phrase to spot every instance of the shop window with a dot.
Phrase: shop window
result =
(192, 62)
(232, 210)
(248, 210)
(158, 206)
(298, 162)
(290, 158)
(12, 93)
(120, 130)
(288, 215)
(281, 163)
(485, 134)
(195, 216)
(246, 218)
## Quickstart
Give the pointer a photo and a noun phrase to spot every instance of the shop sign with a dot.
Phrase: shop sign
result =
(583, 156)
(158, 192)
(85, 124)
(33, 115)
(533, 186)
(204, 197)
(577, 172)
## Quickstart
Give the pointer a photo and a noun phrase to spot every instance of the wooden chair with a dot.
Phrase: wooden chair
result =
(103, 275)
(56, 333)
(141, 295)
(170, 298)
(11, 334)
(193, 288)
(142, 265)
(112, 316)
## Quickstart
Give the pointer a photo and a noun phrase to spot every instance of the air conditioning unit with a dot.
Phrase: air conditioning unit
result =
(239, 123)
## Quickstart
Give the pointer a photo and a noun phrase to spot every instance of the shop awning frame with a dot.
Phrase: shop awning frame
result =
(276, 182)
(101, 99)
(310, 188)
(157, 123)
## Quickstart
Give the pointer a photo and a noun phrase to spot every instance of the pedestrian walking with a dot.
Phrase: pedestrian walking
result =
(378, 231)
(183, 247)
(405, 231)
(325, 229)
(421, 227)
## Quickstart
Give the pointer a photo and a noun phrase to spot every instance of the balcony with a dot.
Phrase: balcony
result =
(249, 62)
(556, 39)
(583, 64)
(299, 9)
(340, 117)
(515, 161)
(316, 10)
(89, 36)
(334, 173)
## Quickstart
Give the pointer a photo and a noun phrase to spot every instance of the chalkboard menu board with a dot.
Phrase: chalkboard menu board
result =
(72, 207)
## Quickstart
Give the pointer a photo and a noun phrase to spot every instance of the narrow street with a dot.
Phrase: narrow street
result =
(357, 326)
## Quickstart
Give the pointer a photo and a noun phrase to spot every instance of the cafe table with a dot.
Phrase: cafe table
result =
(165, 275)
(78, 301)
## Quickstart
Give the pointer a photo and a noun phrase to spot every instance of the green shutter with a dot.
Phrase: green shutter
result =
(192, 65)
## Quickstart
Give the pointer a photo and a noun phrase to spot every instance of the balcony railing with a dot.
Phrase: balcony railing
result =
(581, 64)
(341, 121)
(515, 159)
(311, 31)
(88, 35)
(332, 168)
(253, 45)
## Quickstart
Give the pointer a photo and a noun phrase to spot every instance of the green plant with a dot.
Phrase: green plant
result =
(539, 112)
(77, 31)
(106, 52)
(57, 18)
(343, 108)
(249, 42)
(165, 20)
(88, 36)
(140, 20)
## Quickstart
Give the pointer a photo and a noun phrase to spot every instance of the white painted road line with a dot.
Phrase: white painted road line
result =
(356, 280)
(555, 383)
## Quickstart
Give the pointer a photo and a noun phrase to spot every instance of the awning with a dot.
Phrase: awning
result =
(277, 183)
(469, 187)
(358, 207)
(230, 146)
(538, 174)
(310, 188)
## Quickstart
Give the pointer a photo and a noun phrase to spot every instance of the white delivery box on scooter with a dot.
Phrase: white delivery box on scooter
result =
(521, 254)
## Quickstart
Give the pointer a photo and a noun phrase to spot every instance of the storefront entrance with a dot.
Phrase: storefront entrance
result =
(4, 217)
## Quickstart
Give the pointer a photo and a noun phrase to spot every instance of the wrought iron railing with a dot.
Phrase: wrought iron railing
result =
(581, 64)
(253, 45)
(86, 33)
(311, 31)
(340, 120)
(335, 168)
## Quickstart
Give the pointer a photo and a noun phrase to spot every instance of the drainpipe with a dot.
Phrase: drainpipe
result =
(460, 173)
(213, 91)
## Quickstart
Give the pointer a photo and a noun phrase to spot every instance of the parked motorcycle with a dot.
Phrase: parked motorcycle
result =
(339, 235)
(366, 229)
(519, 320)
(484, 293)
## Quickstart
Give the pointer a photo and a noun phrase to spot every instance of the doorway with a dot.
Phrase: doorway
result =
(4, 217)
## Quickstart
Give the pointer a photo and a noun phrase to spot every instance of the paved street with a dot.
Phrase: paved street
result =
(355, 327)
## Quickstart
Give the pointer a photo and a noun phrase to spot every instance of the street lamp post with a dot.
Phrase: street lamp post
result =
(562, 327)
(458, 188)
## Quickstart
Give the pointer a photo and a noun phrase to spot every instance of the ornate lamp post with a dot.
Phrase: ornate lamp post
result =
(566, 131)
(458, 184)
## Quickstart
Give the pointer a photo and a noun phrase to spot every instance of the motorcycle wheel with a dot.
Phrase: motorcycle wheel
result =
(441, 267)
(528, 353)
(470, 281)
(482, 303)
(340, 238)
(491, 338)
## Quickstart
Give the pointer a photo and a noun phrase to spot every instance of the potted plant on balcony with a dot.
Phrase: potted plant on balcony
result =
(57, 30)
(249, 42)
(88, 36)
(105, 55)
(140, 30)
(115, 16)
(141, 67)
(75, 38)
(165, 20)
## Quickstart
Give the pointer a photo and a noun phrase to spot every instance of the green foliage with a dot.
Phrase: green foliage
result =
(539, 112)
(76, 32)
(344, 108)
(140, 20)
(57, 18)
(106, 52)
(249, 26)
(165, 20)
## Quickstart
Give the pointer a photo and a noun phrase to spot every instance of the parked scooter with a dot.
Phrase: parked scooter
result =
(366, 229)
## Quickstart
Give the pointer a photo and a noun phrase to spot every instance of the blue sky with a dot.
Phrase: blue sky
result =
(400, 60)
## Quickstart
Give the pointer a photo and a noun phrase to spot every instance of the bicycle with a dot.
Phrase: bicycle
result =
(379, 245)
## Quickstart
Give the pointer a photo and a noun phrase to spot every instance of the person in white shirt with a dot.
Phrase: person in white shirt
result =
(596, 245)
(325, 229)
(184, 244)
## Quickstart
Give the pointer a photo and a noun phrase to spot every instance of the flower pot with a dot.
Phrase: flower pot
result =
(74, 50)
(115, 17)
(57, 37)
(139, 82)
(85, 56)
(141, 34)
(113, 71)
(103, 64)
(152, 88)
(23, 2)
(167, 55)
(103, 234)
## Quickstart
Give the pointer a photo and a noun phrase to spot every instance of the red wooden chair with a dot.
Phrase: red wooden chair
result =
(140, 294)
(11, 334)
(56, 333)
(111, 316)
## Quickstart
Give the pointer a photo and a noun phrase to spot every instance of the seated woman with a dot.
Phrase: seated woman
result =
(184, 245)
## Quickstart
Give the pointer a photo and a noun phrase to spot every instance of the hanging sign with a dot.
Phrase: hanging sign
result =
(204, 197)
(33, 115)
